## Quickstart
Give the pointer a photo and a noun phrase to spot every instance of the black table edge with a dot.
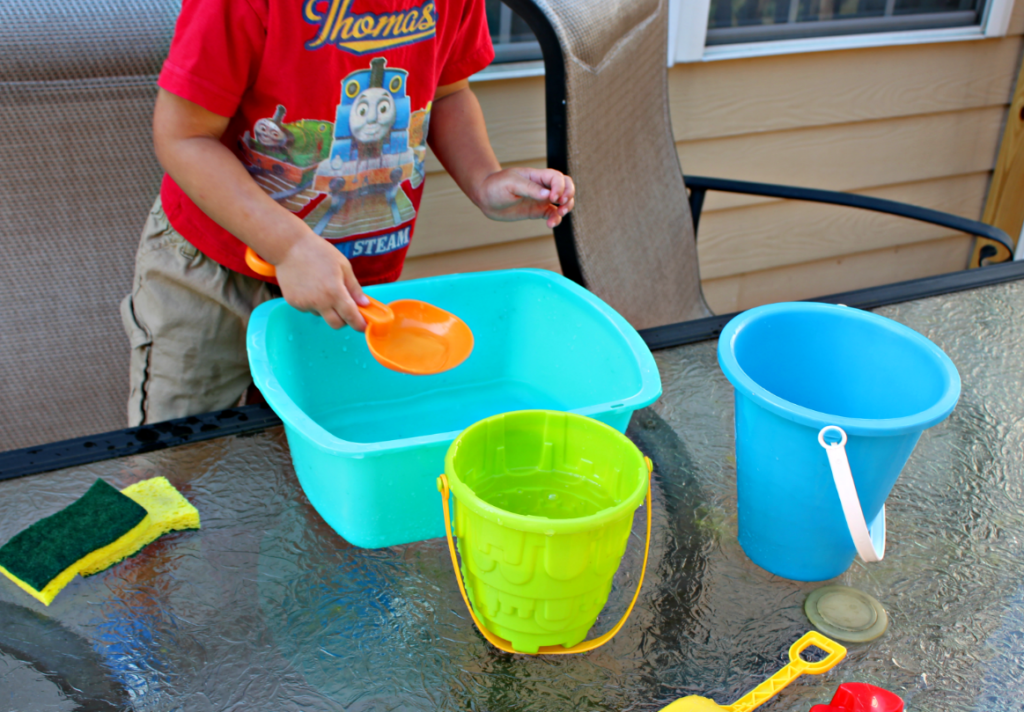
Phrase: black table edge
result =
(687, 332)
(254, 418)
(133, 441)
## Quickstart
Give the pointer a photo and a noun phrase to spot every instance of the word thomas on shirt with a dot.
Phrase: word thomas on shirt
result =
(368, 32)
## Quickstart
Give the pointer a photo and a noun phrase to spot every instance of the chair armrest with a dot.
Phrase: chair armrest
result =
(686, 332)
(699, 185)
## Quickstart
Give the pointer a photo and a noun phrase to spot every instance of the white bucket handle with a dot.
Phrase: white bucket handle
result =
(863, 537)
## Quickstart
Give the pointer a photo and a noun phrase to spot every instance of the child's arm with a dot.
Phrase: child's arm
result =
(458, 138)
(314, 276)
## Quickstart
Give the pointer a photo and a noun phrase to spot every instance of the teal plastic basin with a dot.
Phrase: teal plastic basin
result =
(368, 443)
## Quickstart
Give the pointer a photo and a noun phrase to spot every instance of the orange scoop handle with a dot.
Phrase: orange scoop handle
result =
(258, 265)
(376, 313)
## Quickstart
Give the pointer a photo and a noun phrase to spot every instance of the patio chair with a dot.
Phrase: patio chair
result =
(77, 85)
(631, 238)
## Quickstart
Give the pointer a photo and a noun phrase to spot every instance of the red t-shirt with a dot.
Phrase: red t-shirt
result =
(329, 103)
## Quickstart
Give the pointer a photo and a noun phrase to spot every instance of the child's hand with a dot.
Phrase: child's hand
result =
(315, 277)
(527, 193)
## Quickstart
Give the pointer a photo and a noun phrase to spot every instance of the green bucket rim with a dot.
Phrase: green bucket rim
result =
(465, 495)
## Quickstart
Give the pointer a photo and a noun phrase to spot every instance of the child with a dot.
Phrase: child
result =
(299, 128)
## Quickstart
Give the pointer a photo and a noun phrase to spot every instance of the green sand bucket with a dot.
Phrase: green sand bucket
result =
(544, 507)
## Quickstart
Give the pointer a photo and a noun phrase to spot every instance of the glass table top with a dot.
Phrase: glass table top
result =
(266, 608)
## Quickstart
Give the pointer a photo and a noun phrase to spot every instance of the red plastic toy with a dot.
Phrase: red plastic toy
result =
(861, 697)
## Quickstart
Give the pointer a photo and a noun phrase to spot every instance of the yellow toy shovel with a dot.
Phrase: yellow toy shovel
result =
(768, 689)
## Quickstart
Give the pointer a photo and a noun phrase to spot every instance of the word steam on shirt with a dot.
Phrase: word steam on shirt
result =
(367, 32)
(375, 245)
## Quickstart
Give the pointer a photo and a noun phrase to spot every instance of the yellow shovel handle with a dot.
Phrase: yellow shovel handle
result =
(796, 667)
(501, 643)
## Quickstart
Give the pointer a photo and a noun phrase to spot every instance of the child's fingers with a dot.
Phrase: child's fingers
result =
(344, 295)
(569, 192)
(355, 289)
(544, 176)
(557, 183)
(562, 188)
(331, 317)
(553, 216)
(561, 185)
(347, 310)
(526, 188)
(336, 305)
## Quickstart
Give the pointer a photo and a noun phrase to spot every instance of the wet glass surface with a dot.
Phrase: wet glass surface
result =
(266, 608)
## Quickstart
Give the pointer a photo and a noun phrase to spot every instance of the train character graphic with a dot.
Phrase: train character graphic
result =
(354, 168)
(289, 152)
(371, 151)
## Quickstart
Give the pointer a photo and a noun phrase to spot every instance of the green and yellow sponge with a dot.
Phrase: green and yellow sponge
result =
(101, 528)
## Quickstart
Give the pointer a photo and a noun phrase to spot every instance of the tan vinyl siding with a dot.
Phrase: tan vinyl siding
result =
(1004, 206)
(764, 237)
(1016, 26)
(795, 91)
(919, 124)
(538, 252)
(853, 271)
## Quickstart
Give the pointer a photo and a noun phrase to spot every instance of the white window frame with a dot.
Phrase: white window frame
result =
(688, 26)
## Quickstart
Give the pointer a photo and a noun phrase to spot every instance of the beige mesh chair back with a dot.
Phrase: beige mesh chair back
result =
(78, 176)
(630, 239)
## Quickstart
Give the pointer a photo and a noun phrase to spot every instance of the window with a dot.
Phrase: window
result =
(512, 38)
(731, 21)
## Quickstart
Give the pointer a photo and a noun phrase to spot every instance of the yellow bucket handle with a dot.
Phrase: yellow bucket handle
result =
(501, 643)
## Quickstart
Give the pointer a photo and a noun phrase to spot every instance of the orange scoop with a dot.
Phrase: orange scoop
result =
(407, 335)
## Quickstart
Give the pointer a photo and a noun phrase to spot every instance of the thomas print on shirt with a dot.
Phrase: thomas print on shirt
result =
(347, 178)
(367, 32)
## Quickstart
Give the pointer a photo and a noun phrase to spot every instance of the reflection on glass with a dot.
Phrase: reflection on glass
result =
(904, 7)
(758, 20)
(811, 10)
(512, 38)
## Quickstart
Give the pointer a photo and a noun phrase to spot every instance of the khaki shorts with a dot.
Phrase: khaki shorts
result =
(186, 319)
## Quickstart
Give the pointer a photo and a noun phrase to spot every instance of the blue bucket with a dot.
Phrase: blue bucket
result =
(805, 376)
